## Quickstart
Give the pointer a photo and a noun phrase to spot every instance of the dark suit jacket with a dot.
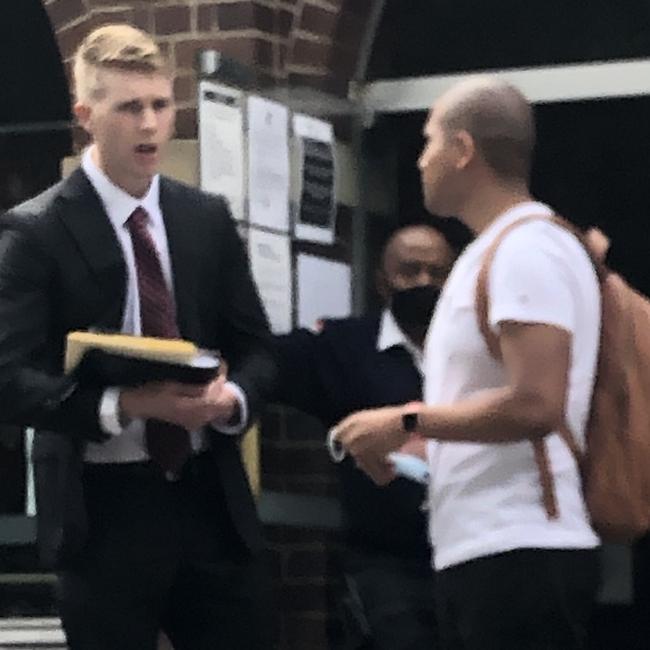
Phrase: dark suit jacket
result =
(333, 374)
(62, 269)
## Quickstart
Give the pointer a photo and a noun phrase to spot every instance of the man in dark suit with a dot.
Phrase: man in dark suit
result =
(144, 505)
(361, 363)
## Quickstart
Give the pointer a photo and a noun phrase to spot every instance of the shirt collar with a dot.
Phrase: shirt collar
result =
(519, 211)
(391, 335)
(119, 205)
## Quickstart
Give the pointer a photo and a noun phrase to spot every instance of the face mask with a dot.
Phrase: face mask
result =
(414, 307)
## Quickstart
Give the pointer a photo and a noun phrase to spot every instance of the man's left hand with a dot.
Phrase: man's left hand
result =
(223, 401)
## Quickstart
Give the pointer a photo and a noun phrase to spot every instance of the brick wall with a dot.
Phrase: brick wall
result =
(311, 43)
(305, 562)
(308, 587)
(299, 42)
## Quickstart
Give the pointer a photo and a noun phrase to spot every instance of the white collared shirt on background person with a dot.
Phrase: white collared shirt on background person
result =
(486, 498)
(390, 335)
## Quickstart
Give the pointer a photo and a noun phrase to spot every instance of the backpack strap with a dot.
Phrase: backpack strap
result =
(549, 495)
(482, 302)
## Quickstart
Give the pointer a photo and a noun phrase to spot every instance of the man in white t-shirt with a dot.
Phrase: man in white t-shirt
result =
(509, 574)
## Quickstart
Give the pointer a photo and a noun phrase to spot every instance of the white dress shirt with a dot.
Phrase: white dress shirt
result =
(128, 444)
(391, 335)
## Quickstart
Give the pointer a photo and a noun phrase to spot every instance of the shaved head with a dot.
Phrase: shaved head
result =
(498, 118)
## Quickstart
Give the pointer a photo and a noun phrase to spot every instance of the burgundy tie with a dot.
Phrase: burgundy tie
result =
(168, 444)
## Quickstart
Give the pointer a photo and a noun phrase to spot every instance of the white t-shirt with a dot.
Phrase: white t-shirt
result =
(487, 498)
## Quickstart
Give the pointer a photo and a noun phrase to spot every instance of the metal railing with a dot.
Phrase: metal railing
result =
(21, 128)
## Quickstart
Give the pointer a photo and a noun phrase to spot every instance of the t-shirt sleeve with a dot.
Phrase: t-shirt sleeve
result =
(530, 280)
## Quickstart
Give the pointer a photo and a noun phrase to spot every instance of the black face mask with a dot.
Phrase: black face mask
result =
(414, 307)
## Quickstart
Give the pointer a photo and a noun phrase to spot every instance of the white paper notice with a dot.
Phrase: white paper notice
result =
(270, 257)
(324, 290)
(316, 196)
(268, 164)
(221, 138)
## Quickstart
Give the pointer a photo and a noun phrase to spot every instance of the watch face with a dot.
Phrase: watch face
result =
(410, 421)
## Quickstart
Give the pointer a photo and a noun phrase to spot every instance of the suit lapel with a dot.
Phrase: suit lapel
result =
(181, 240)
(87, 221)
(84, 216)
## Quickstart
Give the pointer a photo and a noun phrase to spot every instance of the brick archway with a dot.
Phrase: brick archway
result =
(300, 42)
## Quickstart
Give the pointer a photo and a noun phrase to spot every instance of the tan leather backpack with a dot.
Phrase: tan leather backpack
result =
(615, 466)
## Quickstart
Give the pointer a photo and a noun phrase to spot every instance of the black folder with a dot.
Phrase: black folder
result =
(98, 369)
(97, 361)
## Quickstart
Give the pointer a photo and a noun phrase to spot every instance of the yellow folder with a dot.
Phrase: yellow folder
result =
(140, 347)
(122, 360)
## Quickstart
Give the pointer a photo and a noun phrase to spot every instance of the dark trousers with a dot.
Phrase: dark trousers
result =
(395, 601)
(528, 599)
(162, 555)
(641, 606)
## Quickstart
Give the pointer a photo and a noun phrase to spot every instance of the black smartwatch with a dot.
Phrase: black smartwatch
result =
(410, 421)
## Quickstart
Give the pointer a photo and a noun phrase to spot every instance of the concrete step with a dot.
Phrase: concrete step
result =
(27, 595)
(31, 634)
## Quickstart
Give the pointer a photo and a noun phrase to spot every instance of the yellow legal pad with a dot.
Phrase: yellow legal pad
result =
(175, 351)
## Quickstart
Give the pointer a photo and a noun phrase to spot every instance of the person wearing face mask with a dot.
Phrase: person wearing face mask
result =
(367, 362)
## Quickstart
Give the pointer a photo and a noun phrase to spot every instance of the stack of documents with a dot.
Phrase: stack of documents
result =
(122, 360)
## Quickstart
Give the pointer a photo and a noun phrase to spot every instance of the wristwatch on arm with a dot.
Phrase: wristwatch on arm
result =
(410, 421)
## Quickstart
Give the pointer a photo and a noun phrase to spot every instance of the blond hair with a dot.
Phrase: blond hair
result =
(115, 47)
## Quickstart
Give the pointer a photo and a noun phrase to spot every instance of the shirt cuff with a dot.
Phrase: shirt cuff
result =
(235, 429)
(109, 412)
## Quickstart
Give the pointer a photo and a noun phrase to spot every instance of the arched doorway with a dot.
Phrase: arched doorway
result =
(35, 107)
(34, 137)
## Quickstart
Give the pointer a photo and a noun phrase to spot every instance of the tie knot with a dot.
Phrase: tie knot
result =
(138, 218)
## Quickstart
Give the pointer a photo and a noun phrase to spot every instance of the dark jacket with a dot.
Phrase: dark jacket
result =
(333, 374)
(62, 269)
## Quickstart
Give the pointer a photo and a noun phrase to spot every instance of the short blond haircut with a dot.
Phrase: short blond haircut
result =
(115, 47)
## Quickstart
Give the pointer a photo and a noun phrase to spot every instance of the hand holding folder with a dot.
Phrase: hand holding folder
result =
(100, 360)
